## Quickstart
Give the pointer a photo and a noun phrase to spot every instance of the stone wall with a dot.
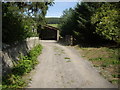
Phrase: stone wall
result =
(10, 54)
(69, 40)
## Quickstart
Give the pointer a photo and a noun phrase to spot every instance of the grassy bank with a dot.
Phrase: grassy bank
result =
(54, 25)
(24, 66)
(105, 60)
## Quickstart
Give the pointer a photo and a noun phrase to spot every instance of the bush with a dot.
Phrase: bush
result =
(24, 66)
(106, 20)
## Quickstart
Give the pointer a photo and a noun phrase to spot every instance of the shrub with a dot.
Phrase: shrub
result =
(24, 66)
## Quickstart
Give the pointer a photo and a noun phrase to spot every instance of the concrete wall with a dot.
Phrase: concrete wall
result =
(10, 54)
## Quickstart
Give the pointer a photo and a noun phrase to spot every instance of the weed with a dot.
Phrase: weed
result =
(106, 58)
(67, 58)
(115, 75)
(24, 66)
(104, 65)
(114, 81)
(96, 59)
(95, 65)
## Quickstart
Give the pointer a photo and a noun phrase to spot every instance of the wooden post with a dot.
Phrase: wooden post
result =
(69, 39)
(57, 35)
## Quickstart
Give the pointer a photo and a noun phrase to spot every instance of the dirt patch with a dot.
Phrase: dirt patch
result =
(67, 70)
(105, 60)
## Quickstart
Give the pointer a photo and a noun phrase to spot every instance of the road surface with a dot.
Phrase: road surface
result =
(63, 67)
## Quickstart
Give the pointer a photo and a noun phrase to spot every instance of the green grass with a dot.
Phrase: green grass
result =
(54, 25)
(105, 55)
(24, 66)
(104, 58)
(106, 62)
(67, 58)
(115, 81)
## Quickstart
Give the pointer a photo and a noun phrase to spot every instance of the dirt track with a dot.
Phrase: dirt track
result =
(63, 67)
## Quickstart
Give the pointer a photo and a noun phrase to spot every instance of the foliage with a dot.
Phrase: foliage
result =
(106, 20)
(67, 24)
(12, 25)
(105, 60)
(30, 26)
(102, 27)
(53, 20)
(76, 22)
(54, 25)
(18, 19)
(24, 66)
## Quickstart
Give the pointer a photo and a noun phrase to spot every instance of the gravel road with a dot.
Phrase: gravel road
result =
(63, 67)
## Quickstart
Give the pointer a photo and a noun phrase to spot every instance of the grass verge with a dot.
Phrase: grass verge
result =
(106, 60)
(54, 25)
(24, 66)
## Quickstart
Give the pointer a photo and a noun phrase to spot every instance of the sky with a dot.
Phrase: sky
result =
(57, 9)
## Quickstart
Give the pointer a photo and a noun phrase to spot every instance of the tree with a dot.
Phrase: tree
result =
(92, 22)
(77, 22)
(106, 21)
(67, 22)
(18, 22)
